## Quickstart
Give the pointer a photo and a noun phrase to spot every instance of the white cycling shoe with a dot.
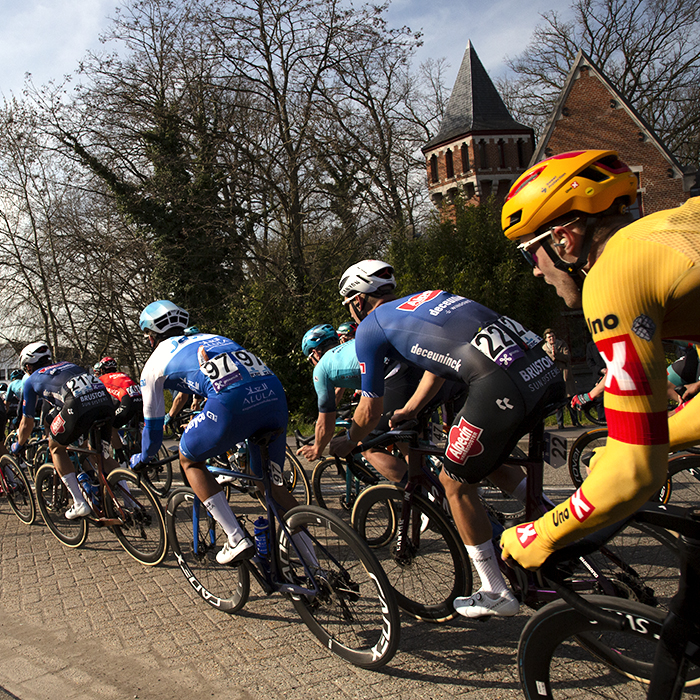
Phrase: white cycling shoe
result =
(484, 603)
(231, 553)
(78, 510)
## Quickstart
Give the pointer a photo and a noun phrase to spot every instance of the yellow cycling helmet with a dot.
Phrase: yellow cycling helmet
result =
(586, 181)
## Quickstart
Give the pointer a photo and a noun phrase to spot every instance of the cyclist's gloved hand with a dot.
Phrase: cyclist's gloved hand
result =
(15, 448)
(135, 461)
(526, 545)
(580, 400)
(167, 420)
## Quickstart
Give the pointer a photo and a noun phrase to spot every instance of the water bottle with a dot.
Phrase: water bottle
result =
(88, 487)
(260, 530)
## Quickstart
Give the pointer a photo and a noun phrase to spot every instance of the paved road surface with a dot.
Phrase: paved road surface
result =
(94, 624)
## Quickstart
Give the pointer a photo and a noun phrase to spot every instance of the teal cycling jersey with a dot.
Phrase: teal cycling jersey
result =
(337, 368)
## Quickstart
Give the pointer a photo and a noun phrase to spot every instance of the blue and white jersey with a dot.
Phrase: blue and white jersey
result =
(203, 364)
(338, 367)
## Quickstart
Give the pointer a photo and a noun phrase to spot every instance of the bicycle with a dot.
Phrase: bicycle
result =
(613, 648)
(340, 591)
(17, 489)
(120, 500)
(426, 562)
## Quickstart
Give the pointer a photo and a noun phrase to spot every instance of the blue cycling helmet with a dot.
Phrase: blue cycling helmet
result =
(317, 336)
(347, 328)
(16, 374)
(191, 330)
(162, 316)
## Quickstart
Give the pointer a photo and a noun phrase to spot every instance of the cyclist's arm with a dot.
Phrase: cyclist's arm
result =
(24, 432)
(367, 415)
(426, 390)
(178, 404)
(325, 427)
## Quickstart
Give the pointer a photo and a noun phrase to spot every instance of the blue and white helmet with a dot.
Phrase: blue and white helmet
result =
(161, 316)
(317, 336)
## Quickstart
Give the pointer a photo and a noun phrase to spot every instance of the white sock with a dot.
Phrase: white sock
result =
(221, 511)
(71, 482)
(483, 558)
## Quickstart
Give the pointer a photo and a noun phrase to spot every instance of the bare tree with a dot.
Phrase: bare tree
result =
(649, 49)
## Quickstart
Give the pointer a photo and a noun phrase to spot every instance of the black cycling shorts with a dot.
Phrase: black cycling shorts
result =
(130, 407)
(75, 418)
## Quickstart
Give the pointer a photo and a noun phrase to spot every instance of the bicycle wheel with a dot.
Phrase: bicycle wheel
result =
(354, 614)
(643, 562)
(330, 487)
(160, 477)
(433, 569)
(553, 664)
(53, 500)
(18, 490)
(196, 538)
(142, 533)
(295, 478)
(595, 413)
(683, 481)
(582, 451)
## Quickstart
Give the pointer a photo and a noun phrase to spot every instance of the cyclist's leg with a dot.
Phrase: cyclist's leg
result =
(479, 439)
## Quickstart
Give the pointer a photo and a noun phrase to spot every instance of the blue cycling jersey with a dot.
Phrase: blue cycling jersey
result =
(57, 382)
(446, 334)
(337, 368)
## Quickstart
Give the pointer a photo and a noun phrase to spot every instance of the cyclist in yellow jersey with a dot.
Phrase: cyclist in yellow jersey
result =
(569, 214)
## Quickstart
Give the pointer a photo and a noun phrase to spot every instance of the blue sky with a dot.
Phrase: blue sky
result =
(47, 38)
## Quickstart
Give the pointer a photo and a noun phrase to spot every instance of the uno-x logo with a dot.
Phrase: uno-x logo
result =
(581, 507)
(504, 404)
(625, 375)
(463, 442)
(418, 299)
(526, 534)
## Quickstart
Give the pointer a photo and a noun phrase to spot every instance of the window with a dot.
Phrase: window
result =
(502, 153)
(521, 153)
(449, 164)
(433, 169)
(465, 158)
(483, 160)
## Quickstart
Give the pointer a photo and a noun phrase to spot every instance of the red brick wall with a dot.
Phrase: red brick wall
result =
(593, 123)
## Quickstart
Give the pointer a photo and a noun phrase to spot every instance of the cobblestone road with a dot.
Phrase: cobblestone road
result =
(93, 623)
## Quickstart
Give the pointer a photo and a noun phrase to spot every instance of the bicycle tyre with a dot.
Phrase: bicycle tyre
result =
(354, 614)
(330, 488)
(554, 665)
(143, 534)
(18, 491)
(435, 570)
(591, 411)
(160, 477)
(225, 588)
(683, 486)
(296, 479)
(53, 500)
(581, 451)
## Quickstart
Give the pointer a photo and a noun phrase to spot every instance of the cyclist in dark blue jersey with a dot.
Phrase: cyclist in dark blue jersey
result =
(510, 380)
(76, 400)
(242, 397)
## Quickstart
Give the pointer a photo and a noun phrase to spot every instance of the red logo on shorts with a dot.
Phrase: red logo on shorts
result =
(526, 534)
(418, 299)
(58, 425)
(463, 442)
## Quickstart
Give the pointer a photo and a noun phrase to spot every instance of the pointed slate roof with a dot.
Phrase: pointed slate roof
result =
(474, 105)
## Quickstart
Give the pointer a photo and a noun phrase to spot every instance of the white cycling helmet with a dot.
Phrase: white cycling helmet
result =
(34, 352)
(366, 277)
(161, 316)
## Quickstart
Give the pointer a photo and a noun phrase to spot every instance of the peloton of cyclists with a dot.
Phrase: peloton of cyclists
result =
(75, 401)
(510, 380)
(243, 396)
(638, 283)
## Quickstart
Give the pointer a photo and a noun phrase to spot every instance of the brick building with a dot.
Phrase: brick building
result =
(591, 113)
(479, 149)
